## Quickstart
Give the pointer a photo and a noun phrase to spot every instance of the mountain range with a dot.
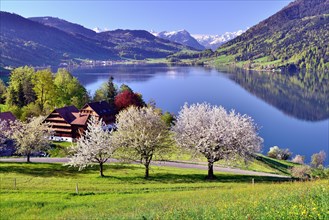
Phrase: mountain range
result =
(294, 38)
(44, 41)
(215, 41)
(198, 41)
(181, 37)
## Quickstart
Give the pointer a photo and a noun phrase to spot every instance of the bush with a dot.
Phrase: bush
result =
(277, 153)
(273, 152)
(128, 98)
(168, 118)
(318, 159)
(298, 159)
(301, 172)
(320, 173)
(285, 154)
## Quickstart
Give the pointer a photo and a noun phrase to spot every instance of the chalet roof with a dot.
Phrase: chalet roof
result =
(80, 119)
(7, 116)
(101, 108)
(67, 113)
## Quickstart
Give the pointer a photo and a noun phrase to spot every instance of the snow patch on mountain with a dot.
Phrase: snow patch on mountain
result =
(181, 37)
(214, 41)
(99, 30)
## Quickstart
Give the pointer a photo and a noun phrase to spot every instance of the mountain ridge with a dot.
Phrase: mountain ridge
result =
(294, 38)
(215, 41)
(180, 36)
(47, 41)
(26, 42)
(64, 25)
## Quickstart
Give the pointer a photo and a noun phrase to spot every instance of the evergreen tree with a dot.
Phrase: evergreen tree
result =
(20, 89)
(2, 91)
(125, 87)
(111, 91)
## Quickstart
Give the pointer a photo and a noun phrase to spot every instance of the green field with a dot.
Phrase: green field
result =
(260, 164)
(48, 191)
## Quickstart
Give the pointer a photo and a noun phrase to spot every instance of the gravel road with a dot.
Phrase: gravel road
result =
(155, 163)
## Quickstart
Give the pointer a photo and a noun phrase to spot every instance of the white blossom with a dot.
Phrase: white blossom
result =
(3, 133)
(141, 131)
(31, 136)
(95, 146)
(215, 133)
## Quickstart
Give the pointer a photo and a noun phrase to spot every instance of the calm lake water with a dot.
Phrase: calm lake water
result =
(290, 115)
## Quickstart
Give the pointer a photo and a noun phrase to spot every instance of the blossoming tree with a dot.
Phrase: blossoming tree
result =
(142, 134)
(31, 136)
(95, 146)
(216, 133)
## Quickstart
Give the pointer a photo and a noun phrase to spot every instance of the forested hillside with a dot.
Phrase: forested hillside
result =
(294, 38)
(51, 41)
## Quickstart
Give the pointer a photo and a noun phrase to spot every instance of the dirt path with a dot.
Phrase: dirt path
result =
(156, 163)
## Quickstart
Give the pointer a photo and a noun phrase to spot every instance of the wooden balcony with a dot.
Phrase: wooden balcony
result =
(54, 124)
(62, 130)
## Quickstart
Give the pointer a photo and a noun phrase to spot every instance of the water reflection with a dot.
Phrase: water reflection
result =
(292, 111)
(298, 96)
(127, 73)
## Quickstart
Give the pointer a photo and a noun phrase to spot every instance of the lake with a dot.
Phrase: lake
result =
(292, 111)
(291, 114)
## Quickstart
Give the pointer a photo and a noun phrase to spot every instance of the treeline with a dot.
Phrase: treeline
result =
(186, 54)
(32, 93)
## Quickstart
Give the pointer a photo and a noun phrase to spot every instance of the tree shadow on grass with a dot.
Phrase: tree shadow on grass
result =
(56, 169)
(125, 173)
(38, 169)
(197, 178)
(124, 166)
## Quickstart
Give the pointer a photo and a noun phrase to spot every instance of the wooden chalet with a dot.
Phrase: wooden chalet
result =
(60, 120)
(102, 110)
(69, 123)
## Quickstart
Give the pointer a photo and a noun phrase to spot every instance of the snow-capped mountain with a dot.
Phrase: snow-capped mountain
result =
(181, 37)
(99, 30)
(214, 41)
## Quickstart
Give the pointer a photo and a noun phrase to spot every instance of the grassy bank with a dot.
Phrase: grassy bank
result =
(48, 191)
(261, 163)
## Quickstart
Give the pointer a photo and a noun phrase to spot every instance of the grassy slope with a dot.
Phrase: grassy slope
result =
(47, 191)
(254, 165)
(296, 34)
(260, 164)
(282, 166)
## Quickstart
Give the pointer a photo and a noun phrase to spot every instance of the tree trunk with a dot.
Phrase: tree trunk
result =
(28, 158)
(101, 169)
(146, 170)
(210, 170)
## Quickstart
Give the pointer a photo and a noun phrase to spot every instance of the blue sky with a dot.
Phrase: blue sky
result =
(198, 17)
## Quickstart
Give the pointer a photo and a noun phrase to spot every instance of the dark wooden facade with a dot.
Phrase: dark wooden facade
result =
(101, 110)
(60, 121)
(69, 123)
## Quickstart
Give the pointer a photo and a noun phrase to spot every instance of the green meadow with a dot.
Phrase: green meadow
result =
(53, 191)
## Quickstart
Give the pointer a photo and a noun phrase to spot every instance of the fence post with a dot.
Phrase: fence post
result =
(253, 181)
(77, 189)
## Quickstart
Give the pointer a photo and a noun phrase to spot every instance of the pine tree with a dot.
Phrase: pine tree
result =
(112, 91)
